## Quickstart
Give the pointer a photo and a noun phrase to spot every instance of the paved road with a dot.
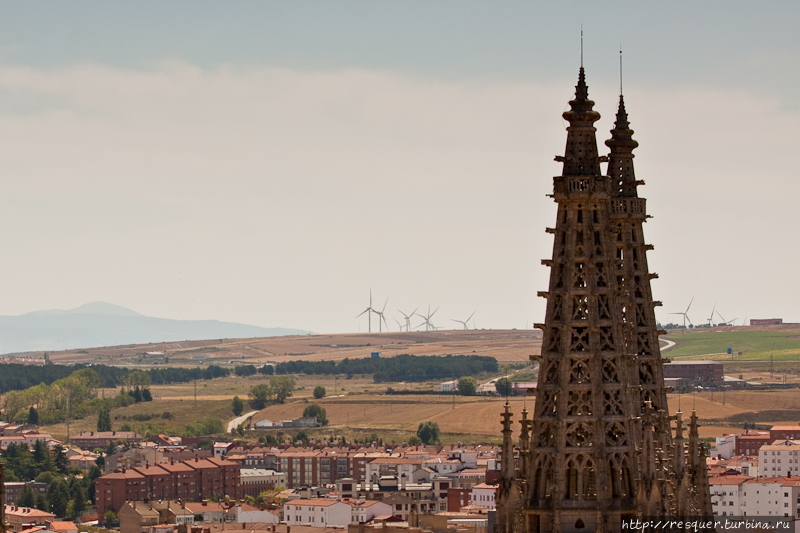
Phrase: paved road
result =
(669, 345)
(233, 424)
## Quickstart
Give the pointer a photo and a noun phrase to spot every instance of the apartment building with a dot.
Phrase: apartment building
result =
(191, 480)
(318, 512)
(771, 497)
(727, 494)
(782, 458)
(89, 440)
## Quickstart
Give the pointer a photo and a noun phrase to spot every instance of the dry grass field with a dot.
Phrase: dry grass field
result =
(358, 407)
(504, 345)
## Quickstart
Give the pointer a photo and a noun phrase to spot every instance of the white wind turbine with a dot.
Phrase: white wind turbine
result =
(465, 322)
(408, 318)
(686, 314)
(428, 324)
(381, 317)
(369, 310)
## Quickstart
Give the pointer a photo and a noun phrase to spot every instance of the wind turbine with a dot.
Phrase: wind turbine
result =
(686, 314)
(428, 324)
(726, 322)
(381, 317)
(400, 326)
(369, 310)
(712, 315)
(465, 322)
(408, 318)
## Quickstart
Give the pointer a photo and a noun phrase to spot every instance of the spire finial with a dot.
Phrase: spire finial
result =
(581, 45)
(620, 70)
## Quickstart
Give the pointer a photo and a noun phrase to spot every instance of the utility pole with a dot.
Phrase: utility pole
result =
(67, 415)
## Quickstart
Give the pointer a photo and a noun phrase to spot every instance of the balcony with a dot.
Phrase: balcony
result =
(628, 207)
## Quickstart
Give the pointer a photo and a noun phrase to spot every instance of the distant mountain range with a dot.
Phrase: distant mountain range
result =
(103, 324)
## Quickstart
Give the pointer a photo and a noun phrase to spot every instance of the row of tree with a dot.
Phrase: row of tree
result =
(399, 368)
(20, 377)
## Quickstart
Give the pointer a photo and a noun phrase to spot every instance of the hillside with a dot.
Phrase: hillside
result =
(504, 345)
(103, 324)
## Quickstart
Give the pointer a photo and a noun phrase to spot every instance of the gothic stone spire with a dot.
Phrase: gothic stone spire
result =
(583, 449)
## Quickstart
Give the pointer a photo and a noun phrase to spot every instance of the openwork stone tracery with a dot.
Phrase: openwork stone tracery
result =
(600, 447)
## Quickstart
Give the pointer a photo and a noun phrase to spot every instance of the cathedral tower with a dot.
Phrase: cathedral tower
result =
(583, 455)
(600, 448)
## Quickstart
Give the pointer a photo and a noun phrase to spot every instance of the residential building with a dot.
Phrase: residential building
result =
(89, 440)
(13, 488)
(749, 442)
(317, 512)
(365, 510)
(191, 480)
(707, 371)
(210, 512)
(458, 497)
(20, 518)
(257, 480)
(61, 526)
(222, 448)
(248, 514)
(784, 433)
(483, 495)
(771, 497)
(82, 459)
(766, 321)
(725, 446)
(727, 493)
(392, 466)
(137, 517)
(781, 458)
(448, 386)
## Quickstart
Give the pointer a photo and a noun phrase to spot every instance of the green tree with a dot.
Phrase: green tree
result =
(104, 420)
(78, 496)
(504, 386)
(237, 406)
(283, 387)
(302, 436)
(60, 459)
(41, 503)
(26, 497)
(146, 396)
(259, 395)
(428, 432)
(109, 517)
(33, 415)
(138, 378)
(58, 496)
(319, 412)
(467, 386)
(413, 440)
(319, 392)
(210, 426)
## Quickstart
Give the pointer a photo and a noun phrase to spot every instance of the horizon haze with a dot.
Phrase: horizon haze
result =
(269, 163)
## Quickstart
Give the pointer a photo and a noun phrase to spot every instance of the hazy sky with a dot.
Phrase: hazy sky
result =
(269, 162)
